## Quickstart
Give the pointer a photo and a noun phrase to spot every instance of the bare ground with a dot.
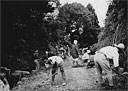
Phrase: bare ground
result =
(77, 79)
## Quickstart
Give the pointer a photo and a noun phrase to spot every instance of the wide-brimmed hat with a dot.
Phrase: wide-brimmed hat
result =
(120, 45)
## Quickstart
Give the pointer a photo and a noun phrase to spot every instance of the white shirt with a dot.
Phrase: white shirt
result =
(111, 53)
(85, 56)
(57, 59)
(4, 87)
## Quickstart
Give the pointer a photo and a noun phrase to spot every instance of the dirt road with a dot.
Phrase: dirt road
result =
(77, 79)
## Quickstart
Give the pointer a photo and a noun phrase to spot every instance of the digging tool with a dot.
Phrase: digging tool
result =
(114, 42)
(49, 77)
(119, 74)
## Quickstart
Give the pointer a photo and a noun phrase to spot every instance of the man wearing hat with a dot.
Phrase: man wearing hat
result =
(74, 51)
(101, 59)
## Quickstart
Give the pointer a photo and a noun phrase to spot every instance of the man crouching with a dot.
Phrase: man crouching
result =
(54, 63)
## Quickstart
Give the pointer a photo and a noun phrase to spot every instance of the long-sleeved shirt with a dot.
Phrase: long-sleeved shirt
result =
(74, 51)
(57, 59)
(111, 53)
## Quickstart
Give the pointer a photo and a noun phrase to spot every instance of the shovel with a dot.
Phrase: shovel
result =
(119, 74)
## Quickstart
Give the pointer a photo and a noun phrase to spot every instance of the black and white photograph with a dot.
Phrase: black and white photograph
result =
(64, 45)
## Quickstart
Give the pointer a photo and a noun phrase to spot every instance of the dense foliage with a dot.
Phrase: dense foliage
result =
(115, 30)
(24, 30)
(79, 23)
(42, 25)
(28, 26)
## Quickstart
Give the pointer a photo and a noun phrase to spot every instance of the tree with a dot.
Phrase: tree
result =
(80, 22)
(115, 30)
(24, 30)
(93, 16)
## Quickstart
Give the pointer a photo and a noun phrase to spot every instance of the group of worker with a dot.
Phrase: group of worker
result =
(101, 60)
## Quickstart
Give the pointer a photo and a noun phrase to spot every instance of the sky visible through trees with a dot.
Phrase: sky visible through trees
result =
(42, 25)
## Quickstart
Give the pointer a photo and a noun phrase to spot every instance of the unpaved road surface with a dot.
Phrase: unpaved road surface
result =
(77, 79)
